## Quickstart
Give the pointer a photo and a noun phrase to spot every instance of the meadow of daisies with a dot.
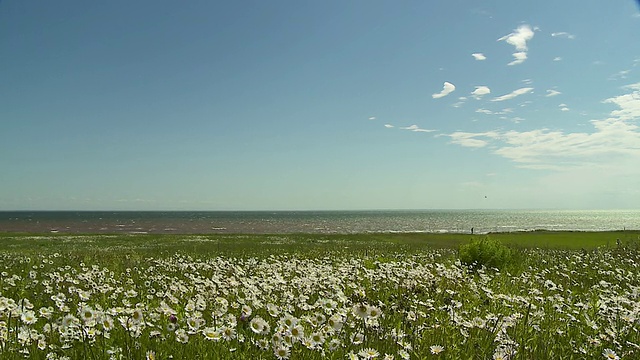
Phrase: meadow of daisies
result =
(314, 297)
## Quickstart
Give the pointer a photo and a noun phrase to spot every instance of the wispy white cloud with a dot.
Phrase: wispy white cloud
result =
(388, 126)
(513, 94)
(372, 118)
(520, 57)
(527, 81)
(447, 89)
(468, 139)
(563, 34)
(557, 58)
(613, 143)
(619, 75)
(458, 104)
(480, 91)
(552, 92)
(501, 112)
(553, 149)
(635, 86)
(519, 39)
(629, 104)
(479, 56)
(416, 128)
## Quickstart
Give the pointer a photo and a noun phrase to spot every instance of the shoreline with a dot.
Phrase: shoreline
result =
(224, 231)
(568, 240)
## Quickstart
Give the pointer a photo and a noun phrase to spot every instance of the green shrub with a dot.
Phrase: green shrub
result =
(485, 252)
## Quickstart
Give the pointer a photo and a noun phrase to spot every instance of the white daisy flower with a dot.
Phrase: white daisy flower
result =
(610, 354)
(368, 353)
(436, 349)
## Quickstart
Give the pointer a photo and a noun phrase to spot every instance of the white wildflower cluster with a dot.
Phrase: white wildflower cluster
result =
(285, 306)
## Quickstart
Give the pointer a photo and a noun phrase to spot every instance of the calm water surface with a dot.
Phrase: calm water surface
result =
(453, 221)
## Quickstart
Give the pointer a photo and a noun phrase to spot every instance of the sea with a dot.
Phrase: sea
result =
(282, 222)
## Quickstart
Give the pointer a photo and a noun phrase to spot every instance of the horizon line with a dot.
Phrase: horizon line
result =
(320, 210)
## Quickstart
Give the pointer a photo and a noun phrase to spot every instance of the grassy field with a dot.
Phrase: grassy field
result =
(562, 295)
(300, 243)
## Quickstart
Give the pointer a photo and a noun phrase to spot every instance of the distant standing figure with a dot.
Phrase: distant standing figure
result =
(471, 231)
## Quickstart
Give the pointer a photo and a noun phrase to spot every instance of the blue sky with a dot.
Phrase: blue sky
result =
(294, 105)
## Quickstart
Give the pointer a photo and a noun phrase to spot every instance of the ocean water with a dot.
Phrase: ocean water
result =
(436, 221)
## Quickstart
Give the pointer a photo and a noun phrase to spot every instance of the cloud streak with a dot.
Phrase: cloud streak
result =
(563, 34)
(520, 57)
(468, 139)
(447, 89)
(416, 128)
(479, 56)
(489, 112)
(619, 75)
(513, 94)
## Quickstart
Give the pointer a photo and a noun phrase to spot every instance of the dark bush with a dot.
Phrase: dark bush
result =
(485, 252)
